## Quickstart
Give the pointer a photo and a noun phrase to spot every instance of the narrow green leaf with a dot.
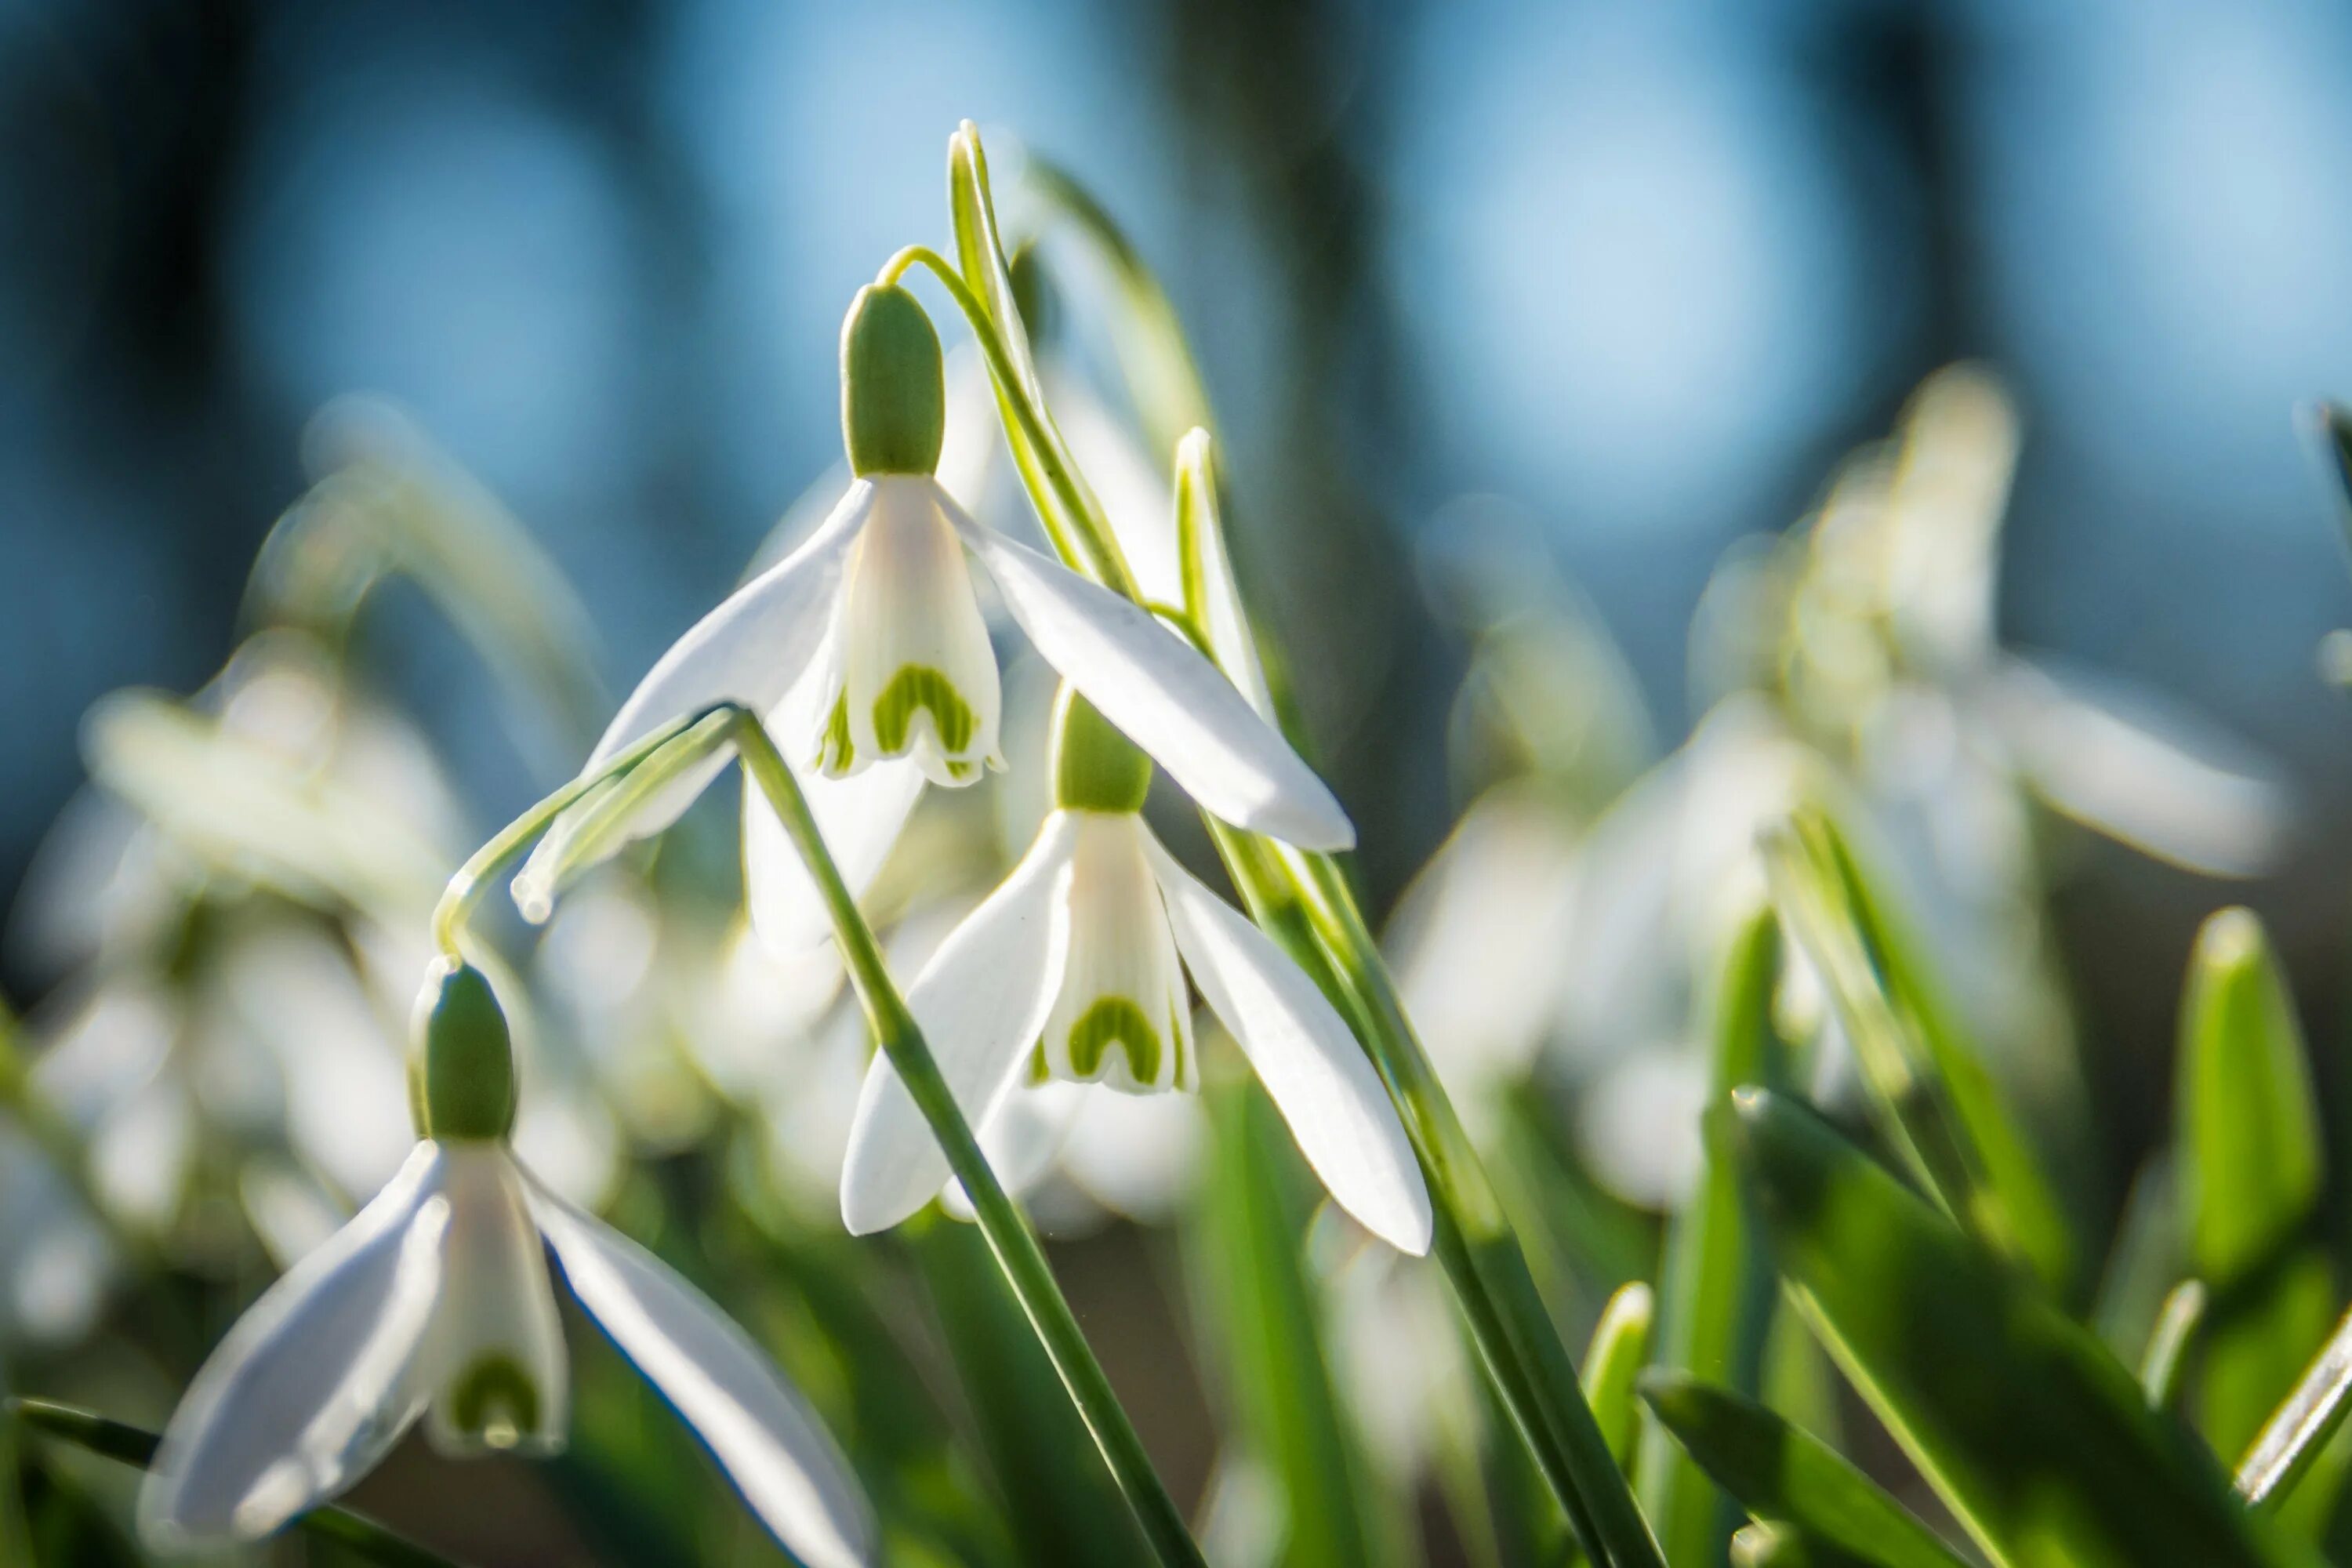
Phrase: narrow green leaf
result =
(2037, 1439)
(2167, 1346)
(1716, 1291)
(2250, 1178)
(2145, 1261)
(2292, 1442)
(1785, 1476)
(136, 1447)
(1621, 1344)
(1937, 1104)
(1060, 1500)
(1267, 1327)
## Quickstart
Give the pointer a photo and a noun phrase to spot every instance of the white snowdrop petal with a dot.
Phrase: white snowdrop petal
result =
(309, 1388)
(919, 674)
(859, 819)
(760, 1430)
(754, 645)
(498, 1378)
(1120, 1015)
(979, 1001)
(1164, 696)
(1319, 1077)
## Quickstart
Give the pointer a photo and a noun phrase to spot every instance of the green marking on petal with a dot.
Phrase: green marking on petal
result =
(496, 1401)
(836, 753)
(1114, 1018)
(1041, 1071)
(915, 688)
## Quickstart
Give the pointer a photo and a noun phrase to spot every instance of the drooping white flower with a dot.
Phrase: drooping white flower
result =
(1074, 970)
(436, 1302)
(865, 649)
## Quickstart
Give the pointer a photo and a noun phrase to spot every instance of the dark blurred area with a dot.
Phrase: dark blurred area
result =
(1642, 270)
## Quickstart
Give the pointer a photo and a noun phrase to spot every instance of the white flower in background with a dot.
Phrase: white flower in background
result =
(435, 1301)
(865, 649)
(1070, 973)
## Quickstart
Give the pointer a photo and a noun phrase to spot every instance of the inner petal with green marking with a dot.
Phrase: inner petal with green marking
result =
(919, 674)
(1120, 1018)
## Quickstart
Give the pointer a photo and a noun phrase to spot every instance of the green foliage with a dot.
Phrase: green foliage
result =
(2038, 1440)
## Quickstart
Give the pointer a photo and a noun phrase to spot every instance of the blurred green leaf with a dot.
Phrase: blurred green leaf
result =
(1937, 1103)
(1785, 1476)
(2038, 1440)
(1715, 1292)
(2249, 1147)
(2145, 1261)
(2167, 1345)
(1621, 1344)
(135, 1445)
(1061, 1504)
(1259, 1308)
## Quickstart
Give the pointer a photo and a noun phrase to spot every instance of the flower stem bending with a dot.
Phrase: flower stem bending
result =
(1004, 1225)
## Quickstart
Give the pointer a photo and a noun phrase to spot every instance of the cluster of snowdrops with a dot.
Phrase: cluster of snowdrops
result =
(1632, 973)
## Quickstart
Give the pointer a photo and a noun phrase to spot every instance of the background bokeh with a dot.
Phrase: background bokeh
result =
(1640, 271)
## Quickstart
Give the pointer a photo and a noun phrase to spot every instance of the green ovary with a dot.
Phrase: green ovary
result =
(1115, 1019)
(914, 688)
(497, 1401)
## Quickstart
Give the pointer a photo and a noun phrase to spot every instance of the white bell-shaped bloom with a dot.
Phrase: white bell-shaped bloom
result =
(878, 613)
(1070, 971)
(436, 1300)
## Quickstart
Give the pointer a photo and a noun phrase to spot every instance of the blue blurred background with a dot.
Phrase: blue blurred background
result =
(1642, 269)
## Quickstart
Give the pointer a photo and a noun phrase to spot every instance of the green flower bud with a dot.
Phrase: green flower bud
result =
(893, 391)
(461, 1066)
(1095, 768)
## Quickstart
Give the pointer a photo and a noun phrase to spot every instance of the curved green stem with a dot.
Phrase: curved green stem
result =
(1007, 1229)
(1079, 535)
(513, 841)
(1303, 899)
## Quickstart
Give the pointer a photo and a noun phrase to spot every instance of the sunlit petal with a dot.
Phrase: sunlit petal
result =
(1318, 1076)
(1120, 1015)
(980, 1002)
(309, 1388)
(919, 674)
(1167, 699)
(758, 1429)
(498, 1378)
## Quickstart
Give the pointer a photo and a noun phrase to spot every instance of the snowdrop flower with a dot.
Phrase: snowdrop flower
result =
(866, 650)
(435, 1301)
(1069, 971)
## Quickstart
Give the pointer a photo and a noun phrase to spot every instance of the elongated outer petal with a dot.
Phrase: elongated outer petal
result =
(754, 645)
(1319, 1077)
(979, 1003)
(1167, 699)
(859, 818)
(758, 1429)
(312, 1386)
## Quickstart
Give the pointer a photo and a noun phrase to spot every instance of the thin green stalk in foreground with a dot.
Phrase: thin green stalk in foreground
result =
(128, 1445)
(1006, 1228)
(1517, 1340)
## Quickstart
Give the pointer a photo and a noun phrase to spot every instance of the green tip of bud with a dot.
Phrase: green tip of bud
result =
(1095, 768)
(1035, 294)
(462, 1079)
(893, 391)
